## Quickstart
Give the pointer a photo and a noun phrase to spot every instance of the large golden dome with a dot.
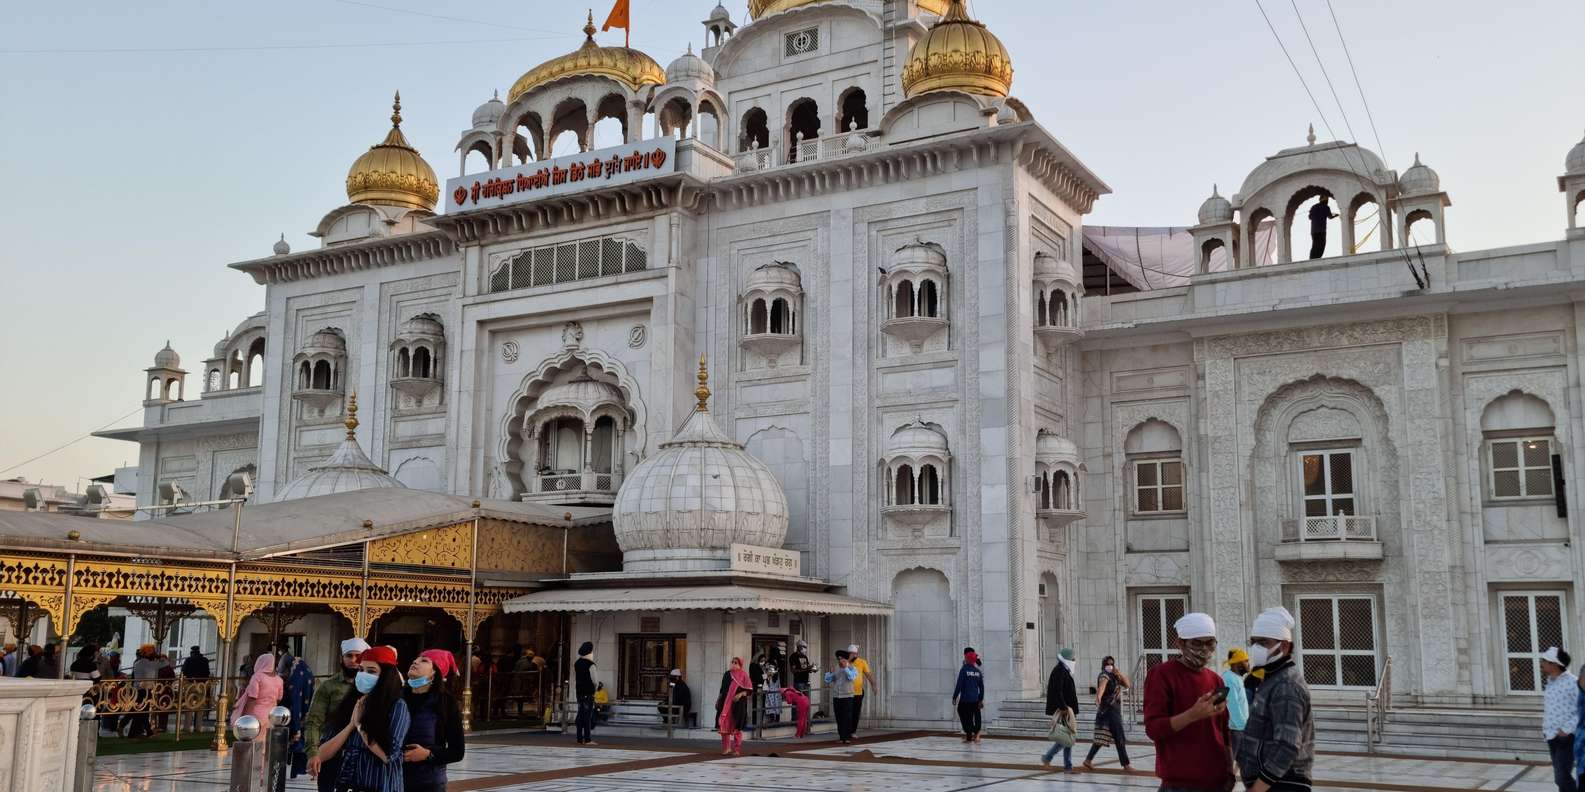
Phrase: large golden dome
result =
(623, 64)
(959, 54)
(391, 172)
(759, 8)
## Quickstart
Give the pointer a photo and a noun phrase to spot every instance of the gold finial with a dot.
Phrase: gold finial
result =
(352, 415)
(588, 27)
(703, 392)
(396, 110)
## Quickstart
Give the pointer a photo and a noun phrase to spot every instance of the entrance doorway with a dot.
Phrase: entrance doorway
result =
(1050, 621)
(647, 661)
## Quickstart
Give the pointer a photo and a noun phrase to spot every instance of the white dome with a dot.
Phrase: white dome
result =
(917, 437)
(720, 14)
(1216, 209)
(582, 394)
(167, 358)
(347, 470)
(281, 248)
(920, 255)
(1348, 158)
(1051, 447)
(422, 326)
(1049, 267)
(327, 340)
(683, 508)
(485, 115)
(780, 274)
(1419, 179)
(690, 69)
(1575, 162)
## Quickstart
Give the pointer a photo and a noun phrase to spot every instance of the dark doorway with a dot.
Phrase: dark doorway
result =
(647, 661)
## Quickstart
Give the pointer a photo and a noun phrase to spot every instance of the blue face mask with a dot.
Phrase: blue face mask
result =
(417, 683)
(365, 681)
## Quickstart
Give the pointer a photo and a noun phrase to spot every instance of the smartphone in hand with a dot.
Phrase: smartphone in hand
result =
(1221, 695)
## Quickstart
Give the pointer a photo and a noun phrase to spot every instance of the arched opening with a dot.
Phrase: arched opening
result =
(903, 300)
(1059, 308)
(1313, 230)
(1207, 253)
(1040, 309)
(234, 379)
(674, 117)
(321, 375)
(153, 390)
(803, 124)
(929, 485)
(1050, 619)
(529, 144)
(780, 317)
(855, 110)
(404, 364)
(709, 125)
(172, 393)
(602, 445)
(422, 363)
(305, 376)
(929, 299)
(1262, 223)
(561, 446)
(1366, 219)
(1419, 228)
(757, 317)
(1061, 491)
(256, 363)
(212, 380)
(571, 118)
(904, 492)
(476, 164)
(1043, 490)
(610, 125)
(756, 130)
(1574, 210)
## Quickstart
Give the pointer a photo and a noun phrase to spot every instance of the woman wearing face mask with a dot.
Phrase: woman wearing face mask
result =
(736, 687)
(377, 723)
(263, 692)
(435, 738)
(1109, 687)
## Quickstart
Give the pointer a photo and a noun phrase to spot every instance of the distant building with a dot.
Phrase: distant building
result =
(98, 500)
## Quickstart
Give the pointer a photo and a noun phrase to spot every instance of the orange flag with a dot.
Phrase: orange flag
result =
(619, 19)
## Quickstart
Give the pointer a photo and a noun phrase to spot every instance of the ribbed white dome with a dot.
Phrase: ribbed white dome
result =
(347, 470)
(1419, 179)
(771, 276)
(917, 437)
(421, 326)
(920, 255)
(1052, 447)
(281, 248)
(1575, 161)
(485, 115)
(683, 508)
(1216, 209)
(1049, 267)
(583, 394)
(326, 340)
(167, 358)
(690, 69)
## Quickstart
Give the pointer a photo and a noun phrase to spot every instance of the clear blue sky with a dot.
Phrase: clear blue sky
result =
(132, 178)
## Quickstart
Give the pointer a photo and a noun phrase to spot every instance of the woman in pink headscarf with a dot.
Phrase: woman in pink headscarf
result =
(800, 704)
(263, 692)
(733, 706)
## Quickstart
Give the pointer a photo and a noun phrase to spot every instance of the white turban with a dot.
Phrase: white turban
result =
(853, 649)
(1195, 625)
(1274, 623)
(354, 645)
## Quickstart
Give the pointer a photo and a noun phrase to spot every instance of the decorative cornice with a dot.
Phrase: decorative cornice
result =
(673, 191)
(348, 258)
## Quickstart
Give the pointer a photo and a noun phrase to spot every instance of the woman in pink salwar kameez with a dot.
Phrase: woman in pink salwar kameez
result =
(800, 704)
(264, 691)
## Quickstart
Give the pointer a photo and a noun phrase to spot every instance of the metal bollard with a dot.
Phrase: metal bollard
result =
(247, 756)
(87, 748)
(278, 749)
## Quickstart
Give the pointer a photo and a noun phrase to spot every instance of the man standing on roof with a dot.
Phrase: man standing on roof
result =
(1319, 214)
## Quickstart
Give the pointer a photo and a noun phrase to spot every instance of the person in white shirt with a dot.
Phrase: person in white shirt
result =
(1559, 714)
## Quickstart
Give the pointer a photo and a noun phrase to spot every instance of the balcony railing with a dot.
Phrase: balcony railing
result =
(812, 150)
(1336, 528)
(561, 482)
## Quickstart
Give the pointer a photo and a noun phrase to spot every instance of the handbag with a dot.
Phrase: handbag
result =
(1063, 730)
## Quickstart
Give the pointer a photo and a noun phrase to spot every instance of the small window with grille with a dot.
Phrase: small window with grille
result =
(1521, 467)
(1327, 479)
(1532, 621)
(1158, 486)
(1337, 641)
(1158, 638)
(565, 262)
(803, 42)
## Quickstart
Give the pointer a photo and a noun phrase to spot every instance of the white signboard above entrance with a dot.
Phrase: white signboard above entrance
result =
(766, 560)
(588, 170)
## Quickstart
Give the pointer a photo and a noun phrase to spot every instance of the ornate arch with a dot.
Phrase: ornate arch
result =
(511, 429)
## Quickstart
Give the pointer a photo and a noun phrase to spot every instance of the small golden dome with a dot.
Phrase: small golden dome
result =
(958, 53)
(623, 64)
(391, 172)
(759, 8)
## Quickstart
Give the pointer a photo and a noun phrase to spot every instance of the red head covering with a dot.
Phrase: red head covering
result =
(971, 658)
(445, 664)
(384, 655)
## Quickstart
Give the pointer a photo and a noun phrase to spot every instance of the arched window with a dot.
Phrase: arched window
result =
(780, 321)
(1062, 491)
(904, 493)
(1262, 222)
(903, 300)
(929, 485)
(172, 391)
(756, 130)
(1419, 228)
(212, 381)
(1040, 309)
(322, 375)
(256, 363)
(403, 363)
(929, 299)
(422, 363)
(1305, 214)
(1208, 253)
(1155, 451)
(855, 110)
(1518, 430)
(709, 125)
(1365, 219)
(305, 376)
(234, 381)
(601, 445)
(154, 390)
(1043, 485)
(803, 124)
(610, 125)
(757, 317)
(1059, 308)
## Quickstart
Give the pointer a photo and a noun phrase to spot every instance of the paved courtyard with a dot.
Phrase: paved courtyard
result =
(913, 762)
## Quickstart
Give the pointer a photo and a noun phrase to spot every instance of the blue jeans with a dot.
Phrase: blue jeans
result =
(1067, 756)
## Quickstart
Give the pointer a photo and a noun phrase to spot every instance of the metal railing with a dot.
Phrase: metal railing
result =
(575, 482)
(1132, 700)
(144, 707)
(1335, 528)
(508, 695)
(767, 707)
(804, 150)
(1378, 703)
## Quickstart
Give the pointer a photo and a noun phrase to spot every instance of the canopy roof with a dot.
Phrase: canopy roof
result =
(725, 596)
(1157, 257)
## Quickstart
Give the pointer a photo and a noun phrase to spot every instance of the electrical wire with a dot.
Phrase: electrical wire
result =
(72, 443)
(1358, 86)
(1324, 75)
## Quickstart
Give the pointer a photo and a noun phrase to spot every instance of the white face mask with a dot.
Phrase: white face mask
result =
(1260, 656)
(1109, 668)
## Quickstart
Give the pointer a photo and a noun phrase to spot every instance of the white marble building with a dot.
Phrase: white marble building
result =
(881, 253)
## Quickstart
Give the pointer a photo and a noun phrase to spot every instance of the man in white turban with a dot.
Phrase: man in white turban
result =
(326, 703)
(1277, 749)
(1186, 713)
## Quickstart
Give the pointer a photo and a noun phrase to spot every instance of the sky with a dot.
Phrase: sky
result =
(146, 145)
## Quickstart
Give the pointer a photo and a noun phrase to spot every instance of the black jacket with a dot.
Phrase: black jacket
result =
(195, 667)
(801, 667)
(448, 744)
(681, 696)
(583, 669)
(1060, 691)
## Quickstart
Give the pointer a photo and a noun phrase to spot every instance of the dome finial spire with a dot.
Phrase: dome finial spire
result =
(588, 27)
(352, 415)
(703, 391)
(396, 110)
(1310, 138)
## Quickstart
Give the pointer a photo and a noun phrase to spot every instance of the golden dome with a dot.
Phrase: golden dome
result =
(759, 8)
(623, 64)
(391, 172)
(960, 54)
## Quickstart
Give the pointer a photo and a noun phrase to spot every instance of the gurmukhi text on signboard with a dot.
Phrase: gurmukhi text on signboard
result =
(766, 560)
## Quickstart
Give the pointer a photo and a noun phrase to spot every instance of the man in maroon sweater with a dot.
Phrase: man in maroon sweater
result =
(1185, 718)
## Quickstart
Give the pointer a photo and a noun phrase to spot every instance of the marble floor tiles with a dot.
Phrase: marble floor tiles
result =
(513, 763)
